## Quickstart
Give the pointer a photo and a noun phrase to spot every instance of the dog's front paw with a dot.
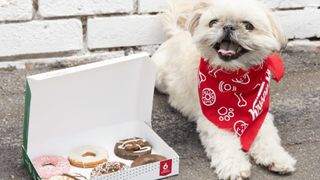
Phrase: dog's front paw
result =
(276, 161)
(232, 170)
(283, 165)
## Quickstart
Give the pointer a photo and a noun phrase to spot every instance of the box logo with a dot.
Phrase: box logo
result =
(165, 167)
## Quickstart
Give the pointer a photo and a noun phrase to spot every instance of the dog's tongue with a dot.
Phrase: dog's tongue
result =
(228, 48)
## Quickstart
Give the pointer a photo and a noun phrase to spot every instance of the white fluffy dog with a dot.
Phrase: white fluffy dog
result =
(198, 30)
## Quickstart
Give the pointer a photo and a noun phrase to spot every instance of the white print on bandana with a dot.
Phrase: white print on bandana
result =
(240, 127)
(225, 87)
(258, 103)
(208, 97)
(258, 68)
(245, 79)
(258, 85)
(225, 114)
(213, 72)
(241, 101)
(202, 78)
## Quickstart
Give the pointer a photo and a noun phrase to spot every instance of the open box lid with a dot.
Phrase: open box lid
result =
(111, 91)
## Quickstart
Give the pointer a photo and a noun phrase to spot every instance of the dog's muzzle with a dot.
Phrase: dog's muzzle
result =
(227, 48)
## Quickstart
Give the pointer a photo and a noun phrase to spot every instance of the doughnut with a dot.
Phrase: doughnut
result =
(88, 156)
(208, 97)
(147, 159)
(69, 176)
(48, 166)
(108, 168)
(132, 148)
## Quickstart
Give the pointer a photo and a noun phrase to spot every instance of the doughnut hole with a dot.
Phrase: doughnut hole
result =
(48, 166)
(89, 154)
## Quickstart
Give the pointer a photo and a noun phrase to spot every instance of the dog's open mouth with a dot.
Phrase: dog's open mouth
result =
(229, 50)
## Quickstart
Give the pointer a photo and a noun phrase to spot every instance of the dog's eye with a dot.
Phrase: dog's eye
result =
(248, 25)
(212, 22)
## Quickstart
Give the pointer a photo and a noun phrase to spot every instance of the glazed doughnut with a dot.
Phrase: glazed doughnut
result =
(88, 156)
(69, 176)
(48, 166)
(108, 168)
(147, 159)
(132, 148)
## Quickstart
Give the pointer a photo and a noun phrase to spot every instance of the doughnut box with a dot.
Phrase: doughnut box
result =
(96, 105)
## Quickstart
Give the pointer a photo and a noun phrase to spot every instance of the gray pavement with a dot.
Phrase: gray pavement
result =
(295, 103)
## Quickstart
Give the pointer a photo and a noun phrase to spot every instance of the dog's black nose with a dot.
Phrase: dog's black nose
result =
(228, 28)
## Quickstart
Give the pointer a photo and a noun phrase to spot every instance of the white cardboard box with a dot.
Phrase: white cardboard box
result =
(95, 104)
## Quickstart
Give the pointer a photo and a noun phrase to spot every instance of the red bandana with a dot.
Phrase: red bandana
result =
(238, 101)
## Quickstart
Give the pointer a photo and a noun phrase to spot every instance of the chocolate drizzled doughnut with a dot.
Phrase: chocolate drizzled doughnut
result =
(132, 148)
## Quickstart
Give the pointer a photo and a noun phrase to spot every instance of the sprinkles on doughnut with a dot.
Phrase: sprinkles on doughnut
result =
(50, 165)
(108, 168)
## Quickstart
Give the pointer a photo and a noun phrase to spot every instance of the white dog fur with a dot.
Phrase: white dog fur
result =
(189, 38)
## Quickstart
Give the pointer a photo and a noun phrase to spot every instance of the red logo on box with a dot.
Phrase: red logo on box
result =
(165, 167)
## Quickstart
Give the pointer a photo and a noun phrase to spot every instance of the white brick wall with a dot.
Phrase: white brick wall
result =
(64, 28)
(146, 6)
(300, 23)
(56, 8)
(124, 31)
(14, 10)
(40, 37)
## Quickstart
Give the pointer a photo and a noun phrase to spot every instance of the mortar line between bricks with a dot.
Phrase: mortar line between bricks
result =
(124, 48)
(84, 21)
(111, 15)
(35, 9)
(38, 56)
(15, 21)
(136, 4)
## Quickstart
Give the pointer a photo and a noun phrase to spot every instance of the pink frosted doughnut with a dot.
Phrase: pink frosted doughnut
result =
(48, 166)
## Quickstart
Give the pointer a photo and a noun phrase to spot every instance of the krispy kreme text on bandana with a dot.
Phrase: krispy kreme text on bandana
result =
(238, 101)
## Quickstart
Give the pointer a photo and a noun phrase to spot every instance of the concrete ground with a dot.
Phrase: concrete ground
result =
(295, 103)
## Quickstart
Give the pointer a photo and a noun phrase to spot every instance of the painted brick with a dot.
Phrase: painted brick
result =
(55, 8)
(124, 31)
(146, 6)
(15, 10)
(40, 37)
(300, 23)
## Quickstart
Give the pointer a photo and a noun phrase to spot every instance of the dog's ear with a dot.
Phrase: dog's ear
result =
(201, 5)
(196, 15)
(277, 30)
(194, 22)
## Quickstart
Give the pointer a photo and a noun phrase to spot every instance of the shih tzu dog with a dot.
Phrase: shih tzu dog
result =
(216, 67)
